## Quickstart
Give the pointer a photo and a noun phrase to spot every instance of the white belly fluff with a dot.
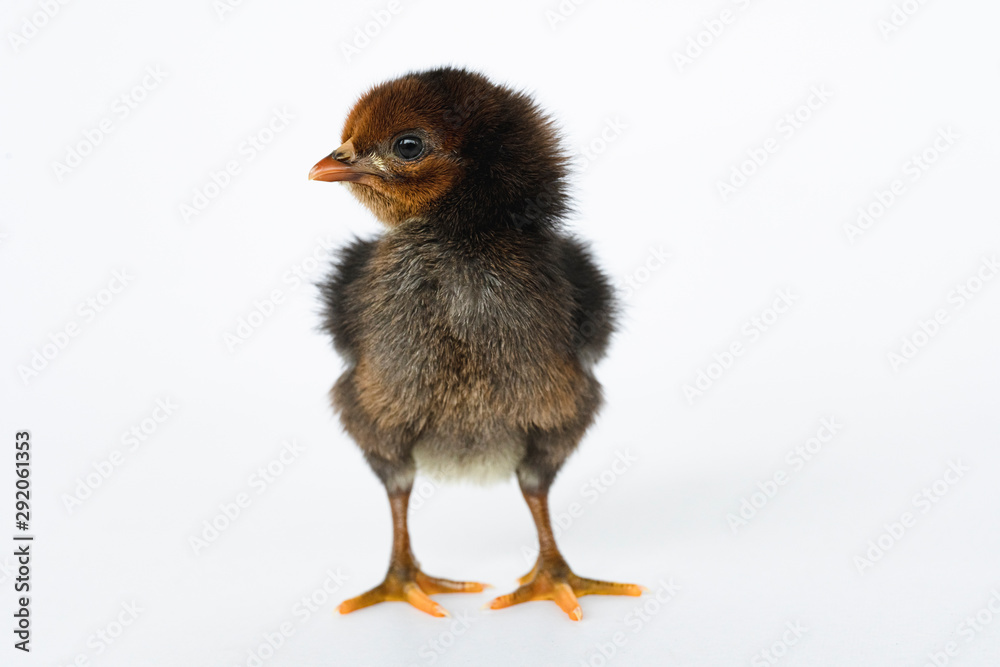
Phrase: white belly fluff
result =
(489, 457)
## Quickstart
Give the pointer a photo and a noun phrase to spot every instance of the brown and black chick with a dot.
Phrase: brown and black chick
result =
(470, 327)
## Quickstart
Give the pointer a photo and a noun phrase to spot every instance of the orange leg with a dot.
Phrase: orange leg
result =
(404, 581)
(551, 578)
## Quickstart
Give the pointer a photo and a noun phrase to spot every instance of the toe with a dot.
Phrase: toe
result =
(563, 596)
(374, 596)
(419, 599)
(584, 586)
(433, 585)
(531, 575)
(522, 594)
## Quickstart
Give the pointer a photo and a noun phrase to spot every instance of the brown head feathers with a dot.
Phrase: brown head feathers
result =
(449, 146)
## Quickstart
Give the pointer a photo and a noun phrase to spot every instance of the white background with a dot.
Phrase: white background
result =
(654, 185)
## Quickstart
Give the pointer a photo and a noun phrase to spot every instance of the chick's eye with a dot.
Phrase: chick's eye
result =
(409, 148)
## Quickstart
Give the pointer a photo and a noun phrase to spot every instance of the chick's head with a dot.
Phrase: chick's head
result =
(450, 145)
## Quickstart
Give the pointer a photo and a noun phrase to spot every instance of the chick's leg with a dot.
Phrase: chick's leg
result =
(551, 578)
(405, 581)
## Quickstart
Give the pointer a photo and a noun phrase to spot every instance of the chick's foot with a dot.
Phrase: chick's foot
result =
(413, 586)
(553, 580)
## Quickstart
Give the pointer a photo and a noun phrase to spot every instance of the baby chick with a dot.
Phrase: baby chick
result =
(470, 327)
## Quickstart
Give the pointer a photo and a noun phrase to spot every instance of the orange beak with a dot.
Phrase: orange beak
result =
(337, 166)
(330, 169)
